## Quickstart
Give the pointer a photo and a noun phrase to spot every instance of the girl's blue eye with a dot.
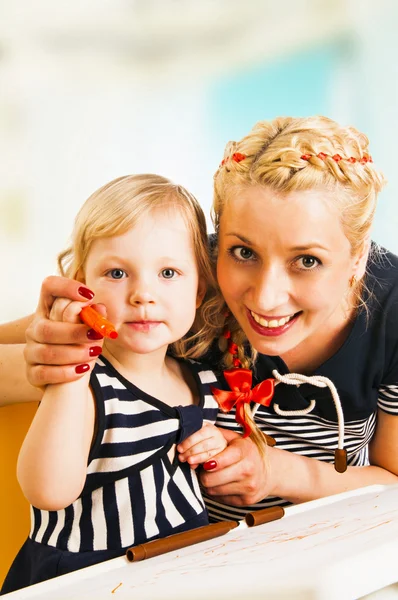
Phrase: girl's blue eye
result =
(117, 273)
(168, 273)
(308, 262)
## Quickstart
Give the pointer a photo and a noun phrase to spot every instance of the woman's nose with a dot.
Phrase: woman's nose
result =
(271, 290)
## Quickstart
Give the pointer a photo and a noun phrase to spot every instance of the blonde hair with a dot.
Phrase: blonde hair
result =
(293, 154)
(115, 208)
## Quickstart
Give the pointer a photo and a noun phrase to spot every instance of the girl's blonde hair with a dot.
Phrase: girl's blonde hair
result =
(115, 208)
(293, 154)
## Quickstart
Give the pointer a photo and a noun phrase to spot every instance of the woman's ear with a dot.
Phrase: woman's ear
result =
(201, 292)
(362, 259)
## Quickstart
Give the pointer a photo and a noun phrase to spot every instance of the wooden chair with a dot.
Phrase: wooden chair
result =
(14, 508)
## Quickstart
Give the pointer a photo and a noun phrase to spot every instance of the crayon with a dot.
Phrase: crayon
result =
(264, 515)
(93, 319)
(179, 540)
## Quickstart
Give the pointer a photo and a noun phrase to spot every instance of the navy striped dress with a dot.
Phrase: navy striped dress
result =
(134, 490)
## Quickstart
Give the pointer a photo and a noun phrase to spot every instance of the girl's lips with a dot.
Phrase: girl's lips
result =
(271, 331)
(143, 326)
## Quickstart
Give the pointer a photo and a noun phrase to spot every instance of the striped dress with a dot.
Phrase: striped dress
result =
(365, 373)
(136, 488)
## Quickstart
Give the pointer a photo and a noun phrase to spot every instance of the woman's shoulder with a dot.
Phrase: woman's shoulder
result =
(381, 282)
(382, 265)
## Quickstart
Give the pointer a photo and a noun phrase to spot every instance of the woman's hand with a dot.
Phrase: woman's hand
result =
(241, 476)
(58, 352)
(202, 445)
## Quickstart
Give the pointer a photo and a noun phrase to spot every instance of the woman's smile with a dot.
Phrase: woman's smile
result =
(271, 326)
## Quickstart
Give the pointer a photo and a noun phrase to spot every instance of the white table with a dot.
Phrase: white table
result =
(337, 548)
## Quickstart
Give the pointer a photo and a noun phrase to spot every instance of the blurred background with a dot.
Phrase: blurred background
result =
(94, 89)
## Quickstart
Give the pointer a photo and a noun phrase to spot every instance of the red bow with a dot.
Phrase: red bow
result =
(240, 382)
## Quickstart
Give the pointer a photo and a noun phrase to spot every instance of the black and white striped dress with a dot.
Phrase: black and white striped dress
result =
(134, 492)
(365, 373)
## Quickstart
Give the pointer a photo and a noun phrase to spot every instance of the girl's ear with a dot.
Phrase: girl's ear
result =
(201, 292)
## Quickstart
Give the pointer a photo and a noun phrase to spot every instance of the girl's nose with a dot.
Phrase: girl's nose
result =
(141, 293)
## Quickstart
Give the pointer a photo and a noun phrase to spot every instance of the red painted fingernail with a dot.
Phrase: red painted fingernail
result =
(93, 335)
(82, 369)
(95, 351)
(209, 465)
(86, 293)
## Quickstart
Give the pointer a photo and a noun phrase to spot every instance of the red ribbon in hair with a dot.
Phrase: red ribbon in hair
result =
(240, 382)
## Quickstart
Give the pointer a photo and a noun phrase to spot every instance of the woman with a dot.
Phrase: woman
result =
(293, 208)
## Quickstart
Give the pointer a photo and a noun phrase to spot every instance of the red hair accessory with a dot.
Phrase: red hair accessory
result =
(337, 158)
(240, 382)
(232, 349)
(238, 157)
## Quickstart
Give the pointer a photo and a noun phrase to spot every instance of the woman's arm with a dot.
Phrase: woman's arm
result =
(14, 331)
(53, 349)
(52, 463)
(243, 477)
(14, 385)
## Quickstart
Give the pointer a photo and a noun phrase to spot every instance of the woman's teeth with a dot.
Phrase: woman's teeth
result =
(272, 323)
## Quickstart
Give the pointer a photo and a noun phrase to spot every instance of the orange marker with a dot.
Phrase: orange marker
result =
(93, 319)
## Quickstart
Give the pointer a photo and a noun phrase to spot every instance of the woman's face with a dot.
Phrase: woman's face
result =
(284, 267)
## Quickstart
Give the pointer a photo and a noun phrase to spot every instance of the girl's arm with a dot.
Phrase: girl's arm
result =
(52, 463)
(243, 477)
(53, 459)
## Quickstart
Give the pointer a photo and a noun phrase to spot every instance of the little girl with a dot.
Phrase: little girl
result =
(99, 463)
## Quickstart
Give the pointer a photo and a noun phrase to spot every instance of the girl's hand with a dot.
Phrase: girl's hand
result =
(66, 310)
(201, 445)
(58, 352)
(241, 476)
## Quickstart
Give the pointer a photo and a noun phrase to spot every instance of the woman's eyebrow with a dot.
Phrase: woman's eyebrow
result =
(309, 246)
(315, 245)
(238, 235)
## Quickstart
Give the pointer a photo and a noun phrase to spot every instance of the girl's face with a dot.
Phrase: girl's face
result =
(148, 280)
(284, 267)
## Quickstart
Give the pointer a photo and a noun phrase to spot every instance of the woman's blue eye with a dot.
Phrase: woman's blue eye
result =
(168, 273)
(117, 273)
(308, 262)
